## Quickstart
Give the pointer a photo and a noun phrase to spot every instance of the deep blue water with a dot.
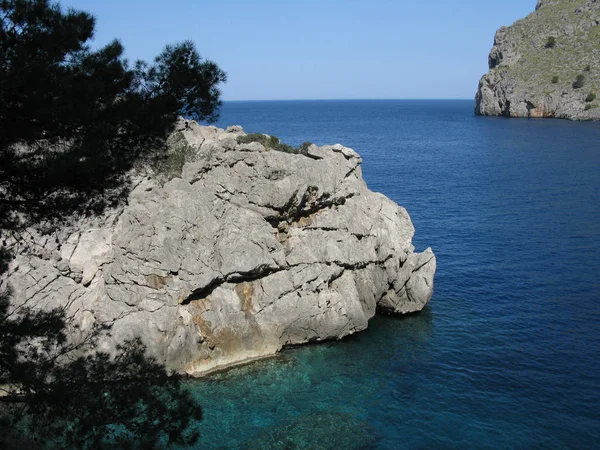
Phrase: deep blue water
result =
(507, 354)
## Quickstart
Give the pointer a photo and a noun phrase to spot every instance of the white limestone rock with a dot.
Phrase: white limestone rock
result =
(247, 252)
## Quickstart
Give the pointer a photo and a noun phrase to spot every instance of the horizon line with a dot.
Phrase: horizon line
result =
(343, 99)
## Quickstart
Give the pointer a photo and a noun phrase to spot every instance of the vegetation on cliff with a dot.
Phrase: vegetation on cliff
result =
(273, 143)
(546, 64)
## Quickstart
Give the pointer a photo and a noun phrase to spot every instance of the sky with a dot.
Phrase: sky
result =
(319, 49)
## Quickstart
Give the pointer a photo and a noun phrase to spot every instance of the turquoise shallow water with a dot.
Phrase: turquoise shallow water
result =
(507, 355)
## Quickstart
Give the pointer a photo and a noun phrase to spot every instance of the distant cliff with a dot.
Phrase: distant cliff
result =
(546, 65)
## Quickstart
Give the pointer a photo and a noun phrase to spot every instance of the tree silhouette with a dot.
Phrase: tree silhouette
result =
(56, 396)
(73, 122)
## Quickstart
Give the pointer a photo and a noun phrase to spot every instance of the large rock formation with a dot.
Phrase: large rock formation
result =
(245, 252)
(535, 62)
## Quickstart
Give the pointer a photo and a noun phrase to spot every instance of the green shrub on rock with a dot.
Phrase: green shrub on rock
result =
(555, 79)
(286, 149)
(273, 143)
(268, 142)
(178, 154)
(550, 42)
(256, 137)
(304, 147)
(579, 81)
(591, 97)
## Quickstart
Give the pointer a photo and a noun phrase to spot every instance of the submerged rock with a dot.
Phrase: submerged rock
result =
(243, 252)
(546, 65)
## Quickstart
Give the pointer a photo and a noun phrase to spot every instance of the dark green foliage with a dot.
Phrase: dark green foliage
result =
(72, 124)
(590, 97)
(90, 400)
(183, 81)
(73, 121)
(304, 147)
(179, 153)
(286, 148)
(555, 79)
(579, 81)
(257, 137)
(550, 42)
(587, 68)
(588, 107)
(54, 395)
(272, 143)
(59, 395)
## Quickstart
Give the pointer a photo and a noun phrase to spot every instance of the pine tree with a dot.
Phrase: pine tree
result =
(73, 121)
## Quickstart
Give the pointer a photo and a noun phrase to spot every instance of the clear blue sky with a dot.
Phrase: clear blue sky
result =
(320, 49)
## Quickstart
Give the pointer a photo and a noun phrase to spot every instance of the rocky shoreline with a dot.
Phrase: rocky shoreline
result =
(244, 250)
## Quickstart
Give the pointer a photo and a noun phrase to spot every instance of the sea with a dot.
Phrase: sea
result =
(507, 353)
